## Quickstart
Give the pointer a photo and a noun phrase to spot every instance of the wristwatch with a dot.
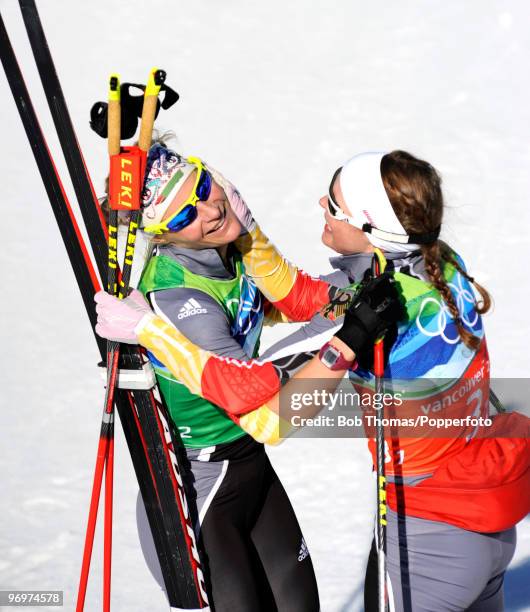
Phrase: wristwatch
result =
(333, 359)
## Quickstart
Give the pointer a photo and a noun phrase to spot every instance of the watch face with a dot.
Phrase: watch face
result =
(330, 356)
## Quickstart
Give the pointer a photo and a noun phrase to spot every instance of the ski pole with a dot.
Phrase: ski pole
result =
(105, 448)
(154, 83)
(379, 370)
(105, 455)
(114, 147)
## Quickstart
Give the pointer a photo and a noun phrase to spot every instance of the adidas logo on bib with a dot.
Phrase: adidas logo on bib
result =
(190, 308)
(304, 552)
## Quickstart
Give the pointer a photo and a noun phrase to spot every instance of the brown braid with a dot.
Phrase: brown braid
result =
(414, 189)
(485, 304)
(432, 255)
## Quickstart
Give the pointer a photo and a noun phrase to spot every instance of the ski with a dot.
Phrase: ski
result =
(153, 443)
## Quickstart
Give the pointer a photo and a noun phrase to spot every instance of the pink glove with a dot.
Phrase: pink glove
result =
(118, 320)
(236, 201)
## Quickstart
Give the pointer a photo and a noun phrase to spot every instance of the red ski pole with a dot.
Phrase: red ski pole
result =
(379, 372)
(114, 136)
(126, 179)
(105, 455)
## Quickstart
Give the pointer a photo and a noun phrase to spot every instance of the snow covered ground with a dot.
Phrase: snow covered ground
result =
(276, 95)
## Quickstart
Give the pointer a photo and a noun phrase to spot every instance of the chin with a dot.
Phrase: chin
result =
(327, 239)
(233, 230)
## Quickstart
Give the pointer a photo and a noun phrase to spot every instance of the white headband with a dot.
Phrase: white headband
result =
(365, 195)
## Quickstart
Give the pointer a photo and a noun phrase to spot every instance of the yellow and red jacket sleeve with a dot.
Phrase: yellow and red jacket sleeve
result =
(265, 425)
(241, 388)
(291, 291)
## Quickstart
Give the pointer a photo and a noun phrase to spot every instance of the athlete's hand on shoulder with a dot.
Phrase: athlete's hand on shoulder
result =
(236, 201)
(375, 307)
(121, 320)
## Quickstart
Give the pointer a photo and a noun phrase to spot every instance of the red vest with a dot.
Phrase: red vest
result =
(485, 487)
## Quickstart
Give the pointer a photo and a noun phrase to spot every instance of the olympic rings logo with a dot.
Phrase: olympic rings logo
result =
(462, 297)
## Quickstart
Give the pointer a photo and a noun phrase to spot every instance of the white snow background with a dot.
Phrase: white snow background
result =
(276, 95)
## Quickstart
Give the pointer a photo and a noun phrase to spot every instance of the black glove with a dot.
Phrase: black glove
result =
(376, 306)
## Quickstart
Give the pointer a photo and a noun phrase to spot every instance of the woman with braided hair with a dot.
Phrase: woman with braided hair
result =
(453, 499)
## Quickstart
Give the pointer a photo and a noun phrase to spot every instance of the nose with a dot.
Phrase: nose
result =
(208, 211)
(323, 203)
(208, 214)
